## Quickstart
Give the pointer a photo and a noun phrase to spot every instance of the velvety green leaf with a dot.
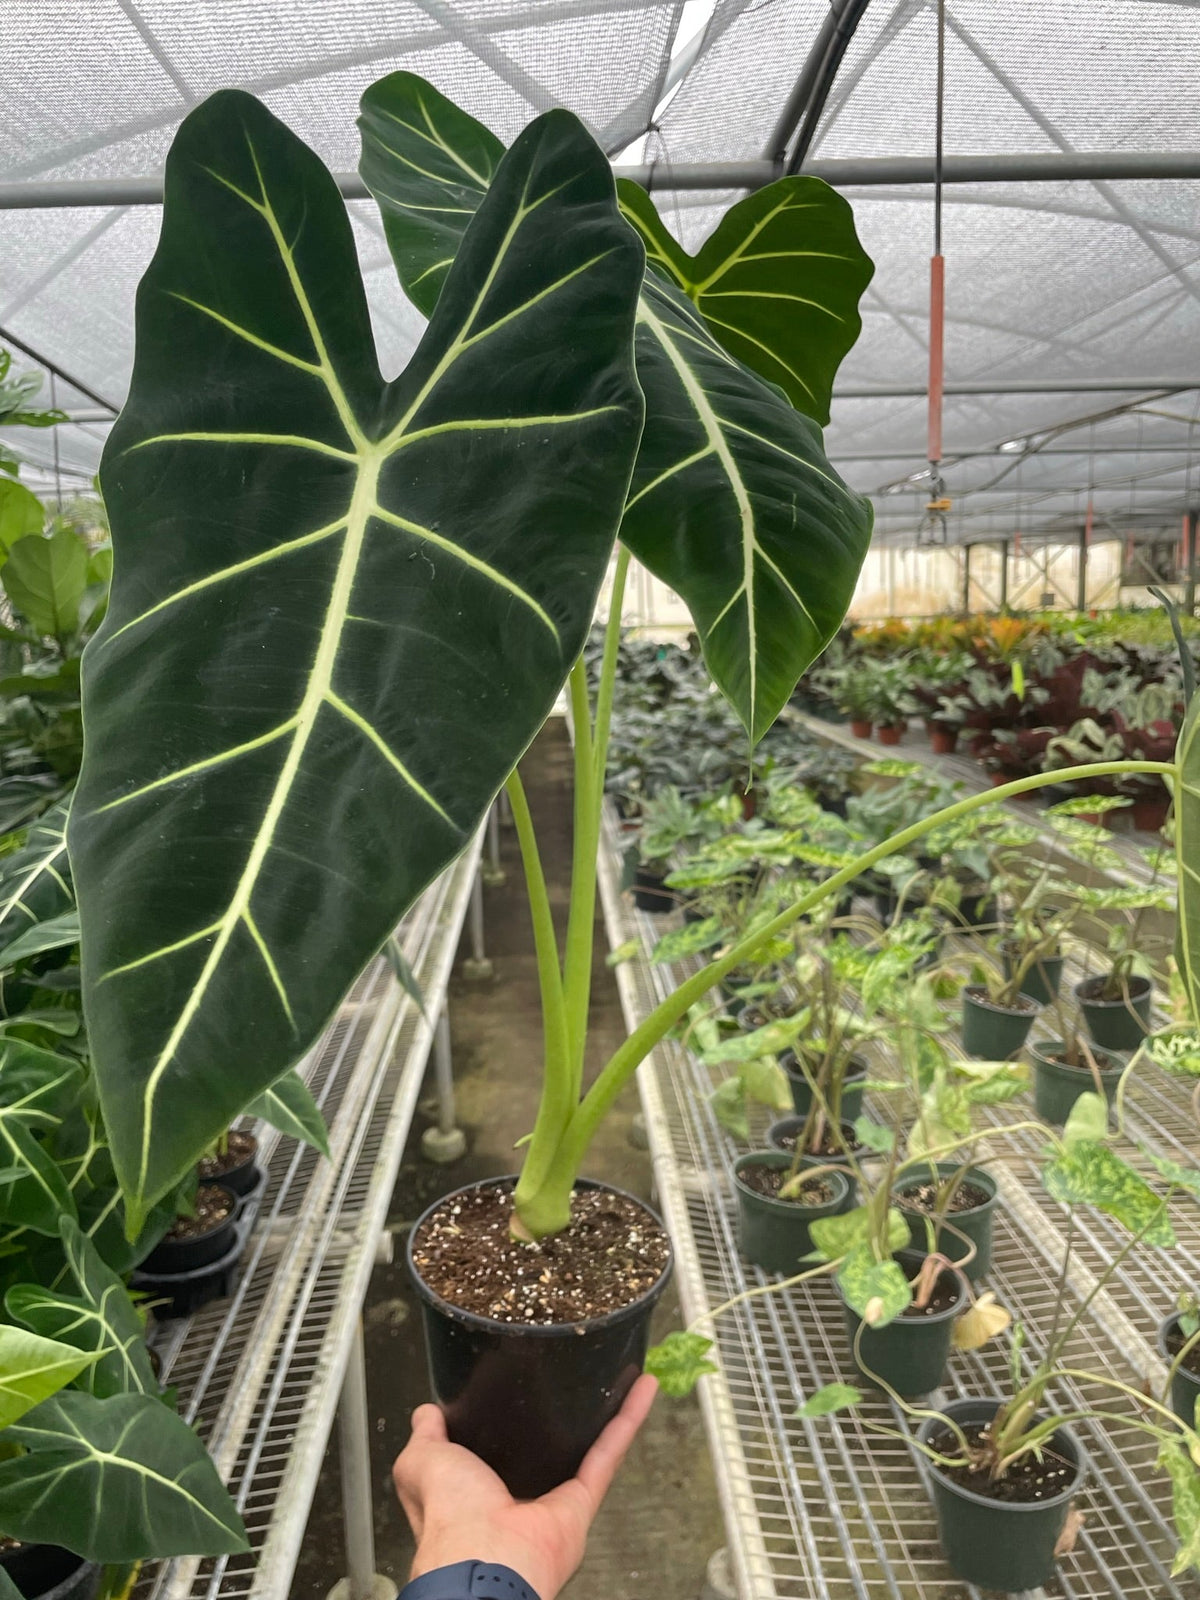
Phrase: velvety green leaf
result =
(35, 880)
(1087, 1122)
(877, 1290)
(733, 503)
(32, 1368)
(778, 281)
(833, 1397)
(45, 577)
(1093, 1175)
(341, 607)
(21, 513)
(99, 1319)
(58, 933)
(688, 940)
(679, 1362)
(116, 1480)
(289, 1106)
(1185, 1504)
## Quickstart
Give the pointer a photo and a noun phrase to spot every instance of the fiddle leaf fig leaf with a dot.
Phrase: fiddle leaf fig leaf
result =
(733, 502)
(1091, 1174)
(114, 1478)
(833, 1397)
(45, 577)
(32, 1368)
(366, 594)
(21, 513)
(877, 1290)
(679, 1362)
(289, 1106)
(778, 281)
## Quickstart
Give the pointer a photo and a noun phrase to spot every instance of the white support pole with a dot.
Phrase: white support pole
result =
(493, 872)
(477, 968)
(446, 1142)
(362, 1581)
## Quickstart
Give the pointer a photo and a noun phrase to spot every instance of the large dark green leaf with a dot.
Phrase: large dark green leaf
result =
(115, 1480)
(733, 503)
(341, 607)
(99, 1319)
(778, 282)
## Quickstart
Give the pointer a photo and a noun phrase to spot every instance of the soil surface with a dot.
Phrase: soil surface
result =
(1081, 1066)
(240, 1148)
(1093, 990)
(1175, 1342)
(213, 1207)
(924, 1197)
(979, 994)
(828, 1148)
(611, 1254)
(1026, 1481)
(769, 1180)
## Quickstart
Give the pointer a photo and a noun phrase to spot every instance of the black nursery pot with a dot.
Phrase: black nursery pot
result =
(650, 892)
(1041, 981)
(1056, 1086)
(910, 1353)
(242, 1179)
(1185, 1386)
(531, 1400)
(48, 1572)
(993, 1543)
(1116, 1024)
(773, 1234)
(976, 1223)
(853, 1087)
(172, 1256)
(993, 1032)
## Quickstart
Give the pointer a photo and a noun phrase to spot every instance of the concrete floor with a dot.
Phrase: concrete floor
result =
(661, 1521)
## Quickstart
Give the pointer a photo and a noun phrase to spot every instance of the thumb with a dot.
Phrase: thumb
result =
(428, 1425)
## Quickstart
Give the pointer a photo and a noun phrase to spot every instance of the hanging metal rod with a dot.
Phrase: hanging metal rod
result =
(916, 391)
(954, 457)
(42, 194)
(7, 337)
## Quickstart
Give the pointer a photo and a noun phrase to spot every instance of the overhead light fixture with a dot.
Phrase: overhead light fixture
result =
(1010, 446)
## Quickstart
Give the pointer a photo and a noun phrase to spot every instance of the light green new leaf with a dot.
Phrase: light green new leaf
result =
(766, 1083)
(689, 940)
(35, 883)
(57, 933)
(877, 1290)
(341, 607)
(100, 1319)
(733, 503)
(874, 1134)
(116, 1480)
(679, 1362)
(1185, 1504)
(833, 1397)
(21, 513)
(45, 577)
(289, 1106)
(1087, 1122)
(728, 1101)
(32, 1368)
(778, 281)
(1093, 1175)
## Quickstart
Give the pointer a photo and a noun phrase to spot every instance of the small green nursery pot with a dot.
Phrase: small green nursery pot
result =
(1041, 982)
(782, 1135)
(999, 1544)
(975, 1222)
(773, 1234)
(1116, 1024)
(1185, 1385)
(992, 1032)
(909, 1354)
(1057, 1086)
(853, 1087)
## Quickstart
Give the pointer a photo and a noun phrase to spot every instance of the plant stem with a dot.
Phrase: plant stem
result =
(577, 961)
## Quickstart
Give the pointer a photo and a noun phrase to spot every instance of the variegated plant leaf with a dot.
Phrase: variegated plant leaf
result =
(877, 1290)
(1093, 1175)
(341, 606)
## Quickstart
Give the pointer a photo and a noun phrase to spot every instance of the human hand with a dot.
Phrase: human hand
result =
(461, 1511)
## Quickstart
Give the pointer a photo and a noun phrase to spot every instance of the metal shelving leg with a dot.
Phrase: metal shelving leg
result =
(362, 1582)
(477, 967)
(446, 1142)
(493, 873)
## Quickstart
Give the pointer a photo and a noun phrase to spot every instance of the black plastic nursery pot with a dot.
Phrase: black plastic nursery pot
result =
(1119, 1024)
(531, 1399)
(992, 1032)
(240, 1178)
(187, 1255)
(999, 1544)
(1185, 1385)
(974, 1221)
(772, 1233)
(853, 1087)
(650, 892)
(181, 1290)
(48, 1572)
(1041, 982)
(910, 1353)
(1057, 1086)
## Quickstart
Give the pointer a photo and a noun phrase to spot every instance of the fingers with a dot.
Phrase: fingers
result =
(429, 1425)
(603, 1460)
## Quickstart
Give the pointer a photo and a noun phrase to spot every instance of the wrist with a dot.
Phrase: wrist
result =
(452, 1547)
(468, 1580)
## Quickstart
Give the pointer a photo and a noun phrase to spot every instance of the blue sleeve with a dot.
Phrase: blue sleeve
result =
(469, 1580)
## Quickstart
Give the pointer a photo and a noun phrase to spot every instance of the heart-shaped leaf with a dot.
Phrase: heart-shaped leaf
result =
(833, 1397)
(679, 1362)
(877, 1290)
(365, 594)
(32, 1368)
(733, 503)
(778, 282)
(1093, 1175)
(116, 1480)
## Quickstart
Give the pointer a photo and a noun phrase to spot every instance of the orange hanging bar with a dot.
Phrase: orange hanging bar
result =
(937, 320)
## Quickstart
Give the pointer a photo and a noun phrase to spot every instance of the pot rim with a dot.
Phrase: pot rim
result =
(536, 1330)
(225, 1222)
(976, 1175)
(858, 1069)
(787, 1207)
(1113, 1069)
(1139, 988)
(1061, 1498)
(1166, 1326)
(796, 1122)
(938, 1317)
(976, 993)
